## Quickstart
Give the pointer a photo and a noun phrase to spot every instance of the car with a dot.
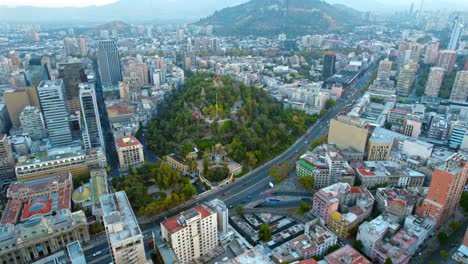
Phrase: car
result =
(249, 197)
(223, 194)
(231, 206)
(97, 253)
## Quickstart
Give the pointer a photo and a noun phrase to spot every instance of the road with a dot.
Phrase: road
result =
(257, 181)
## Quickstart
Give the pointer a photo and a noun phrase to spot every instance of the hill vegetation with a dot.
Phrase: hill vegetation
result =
(251, 125)
(270, 17)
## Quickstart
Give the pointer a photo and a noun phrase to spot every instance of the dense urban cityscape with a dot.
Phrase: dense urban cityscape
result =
(247, 132)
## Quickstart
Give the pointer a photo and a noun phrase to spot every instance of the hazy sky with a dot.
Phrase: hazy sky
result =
(55, 3)
(360, 4)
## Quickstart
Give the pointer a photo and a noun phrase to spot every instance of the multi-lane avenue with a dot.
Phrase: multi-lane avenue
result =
(257, 181)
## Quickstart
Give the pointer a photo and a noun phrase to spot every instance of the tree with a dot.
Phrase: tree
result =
(357, 245)
(455, 225)
(303, 208)
(464, 201)
(240, 209)
(332, 248)
(353, 231)
(189, 190)
(388, 261)
(330, 103)
(96, 228)
(442, 237)
(308, 182)
(264, 232)
(444, 254)
(273, 172)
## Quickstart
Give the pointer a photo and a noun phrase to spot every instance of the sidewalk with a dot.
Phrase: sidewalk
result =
(432, 252)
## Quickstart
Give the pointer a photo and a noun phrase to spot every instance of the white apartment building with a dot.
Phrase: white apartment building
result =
(192, 233)
(123, 233)
(370, 233)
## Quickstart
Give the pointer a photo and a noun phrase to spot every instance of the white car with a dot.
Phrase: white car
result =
(97, 253)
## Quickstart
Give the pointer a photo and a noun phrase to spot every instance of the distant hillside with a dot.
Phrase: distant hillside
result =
(293, 17)
(127, 10)
(117, 25)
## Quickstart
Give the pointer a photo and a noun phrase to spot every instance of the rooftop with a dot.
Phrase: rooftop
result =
(75, 252)
(178, 222)
(49, 83)
(119, 218)
(41, 196)
(120, 109)
(386, 169)
(127, 142)
(346, 254)
(333, 191)
(51, 156)
(251, 256)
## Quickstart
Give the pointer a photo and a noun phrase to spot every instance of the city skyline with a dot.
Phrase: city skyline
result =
(274, 131)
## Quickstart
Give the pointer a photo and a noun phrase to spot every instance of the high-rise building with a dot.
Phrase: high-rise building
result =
(55, 114)
(329, 60)
(129, 89)
(432, 52)
(346, 133)
(447, 60)
(223, 214)
(460, 87)
(192, 233)
(72, 74)
(130, 152)
(18, 79)
(32, 123)
(436, 75)
(91, 124)
(385, 68)
(180, 35)
(38, 70)
(83, 46)
(71, 46)
(457, 32)
(5, 122)
(7, 162)
(408, 52)
(327, 200)
(16, 100)
(327, 165)
(379, 147)
(122, 229)
(406, 78)
(458, 133)
(109, 62)
(447, 185)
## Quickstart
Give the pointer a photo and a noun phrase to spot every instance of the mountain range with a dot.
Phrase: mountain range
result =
(294, 17)
(127, 10)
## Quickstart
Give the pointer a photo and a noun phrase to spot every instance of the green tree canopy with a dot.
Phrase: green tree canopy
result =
(442, 237)
(240, 209)
(357, 244)
(308, 182)
(264, 232)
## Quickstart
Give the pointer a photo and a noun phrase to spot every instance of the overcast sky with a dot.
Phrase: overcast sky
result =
(359, 4)
(55, 3)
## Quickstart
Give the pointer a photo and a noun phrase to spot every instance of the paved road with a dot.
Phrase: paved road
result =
(257, 181)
